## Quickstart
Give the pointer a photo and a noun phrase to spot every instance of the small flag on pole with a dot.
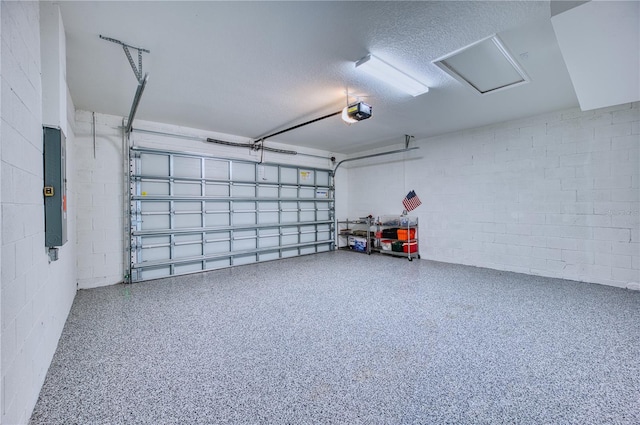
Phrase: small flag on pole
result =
(411, 201)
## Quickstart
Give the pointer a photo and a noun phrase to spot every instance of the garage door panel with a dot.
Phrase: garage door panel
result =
(217, 247)
(323, 215)
(268, 256)
(188, 238)
(186, 167)
(244, 171)
(245, 240)
(305, 250)
(267, 192)
(307, 192)
(154, 254)
(290, 252)
(187, 207)
(243, 191)
(187, 251)
(244, 259)
(187, 268)
(218, 212)
(151, 207)
(288, 192)
(187, 221)
(267, 217)
(217, 206)
(154, 188)
(289, 217)
(269, 241)
(154, 164)
(268, 173)
(216, 189)
(323, 178)
(244, 218)
(217, 220)
(324, 236)
(186, 189)
(289, 175)
(154, 273)
(306, 216)
(155, 222)
(290, 236)
(218, 264)
(216, 169)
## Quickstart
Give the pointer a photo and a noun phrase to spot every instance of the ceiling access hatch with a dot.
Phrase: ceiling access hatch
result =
(486, 66)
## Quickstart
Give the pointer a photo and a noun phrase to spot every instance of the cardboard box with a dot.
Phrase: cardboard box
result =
(358, 243)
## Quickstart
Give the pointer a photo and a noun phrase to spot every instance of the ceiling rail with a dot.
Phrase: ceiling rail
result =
(136, 101)
(137, 70)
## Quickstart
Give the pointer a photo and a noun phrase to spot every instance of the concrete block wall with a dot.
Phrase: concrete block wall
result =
(100, 174)
(36, 295)
(100, 214)
(554, 195)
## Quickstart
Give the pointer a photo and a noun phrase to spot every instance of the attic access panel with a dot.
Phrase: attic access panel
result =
(486, 66)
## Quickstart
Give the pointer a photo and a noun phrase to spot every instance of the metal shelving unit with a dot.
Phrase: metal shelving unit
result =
(192, 212)
(406, 223)
(355, 235)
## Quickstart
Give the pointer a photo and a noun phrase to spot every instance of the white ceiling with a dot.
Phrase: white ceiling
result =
(253, 68)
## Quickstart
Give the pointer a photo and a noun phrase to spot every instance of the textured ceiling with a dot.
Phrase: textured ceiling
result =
(253, 68)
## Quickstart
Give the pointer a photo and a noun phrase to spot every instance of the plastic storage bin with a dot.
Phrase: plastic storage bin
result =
(410, 247)
(385, 245)
(390, 233)
(406, 234)
(397, 246)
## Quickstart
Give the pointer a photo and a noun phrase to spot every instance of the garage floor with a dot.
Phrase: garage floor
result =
(347, 338)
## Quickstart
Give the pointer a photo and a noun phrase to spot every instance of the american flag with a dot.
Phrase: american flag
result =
(411, 201)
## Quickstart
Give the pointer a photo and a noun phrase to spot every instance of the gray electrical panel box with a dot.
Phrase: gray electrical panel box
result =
(55, 187)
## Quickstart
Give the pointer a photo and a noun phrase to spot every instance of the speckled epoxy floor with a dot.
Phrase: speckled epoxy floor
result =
(346, 338)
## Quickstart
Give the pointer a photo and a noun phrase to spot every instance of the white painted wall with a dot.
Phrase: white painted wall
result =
(53, 52)
(36, 295)
(554, 195)
(600, 44)
(101, 220)
(1, 258)
(100, 214)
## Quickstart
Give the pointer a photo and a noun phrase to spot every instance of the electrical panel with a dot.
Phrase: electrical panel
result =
(55, 187)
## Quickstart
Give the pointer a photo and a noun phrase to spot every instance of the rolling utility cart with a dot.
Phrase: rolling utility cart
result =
(355, 235)
(397, 235)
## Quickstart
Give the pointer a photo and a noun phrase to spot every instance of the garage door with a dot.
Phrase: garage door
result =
(191, 213)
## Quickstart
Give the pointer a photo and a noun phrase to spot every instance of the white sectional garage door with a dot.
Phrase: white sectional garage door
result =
(192, 213)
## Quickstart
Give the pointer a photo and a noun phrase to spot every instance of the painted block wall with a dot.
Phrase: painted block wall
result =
(36, 295)
(100, 214)
(100, 175)
(1, 87)
(554, 195)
